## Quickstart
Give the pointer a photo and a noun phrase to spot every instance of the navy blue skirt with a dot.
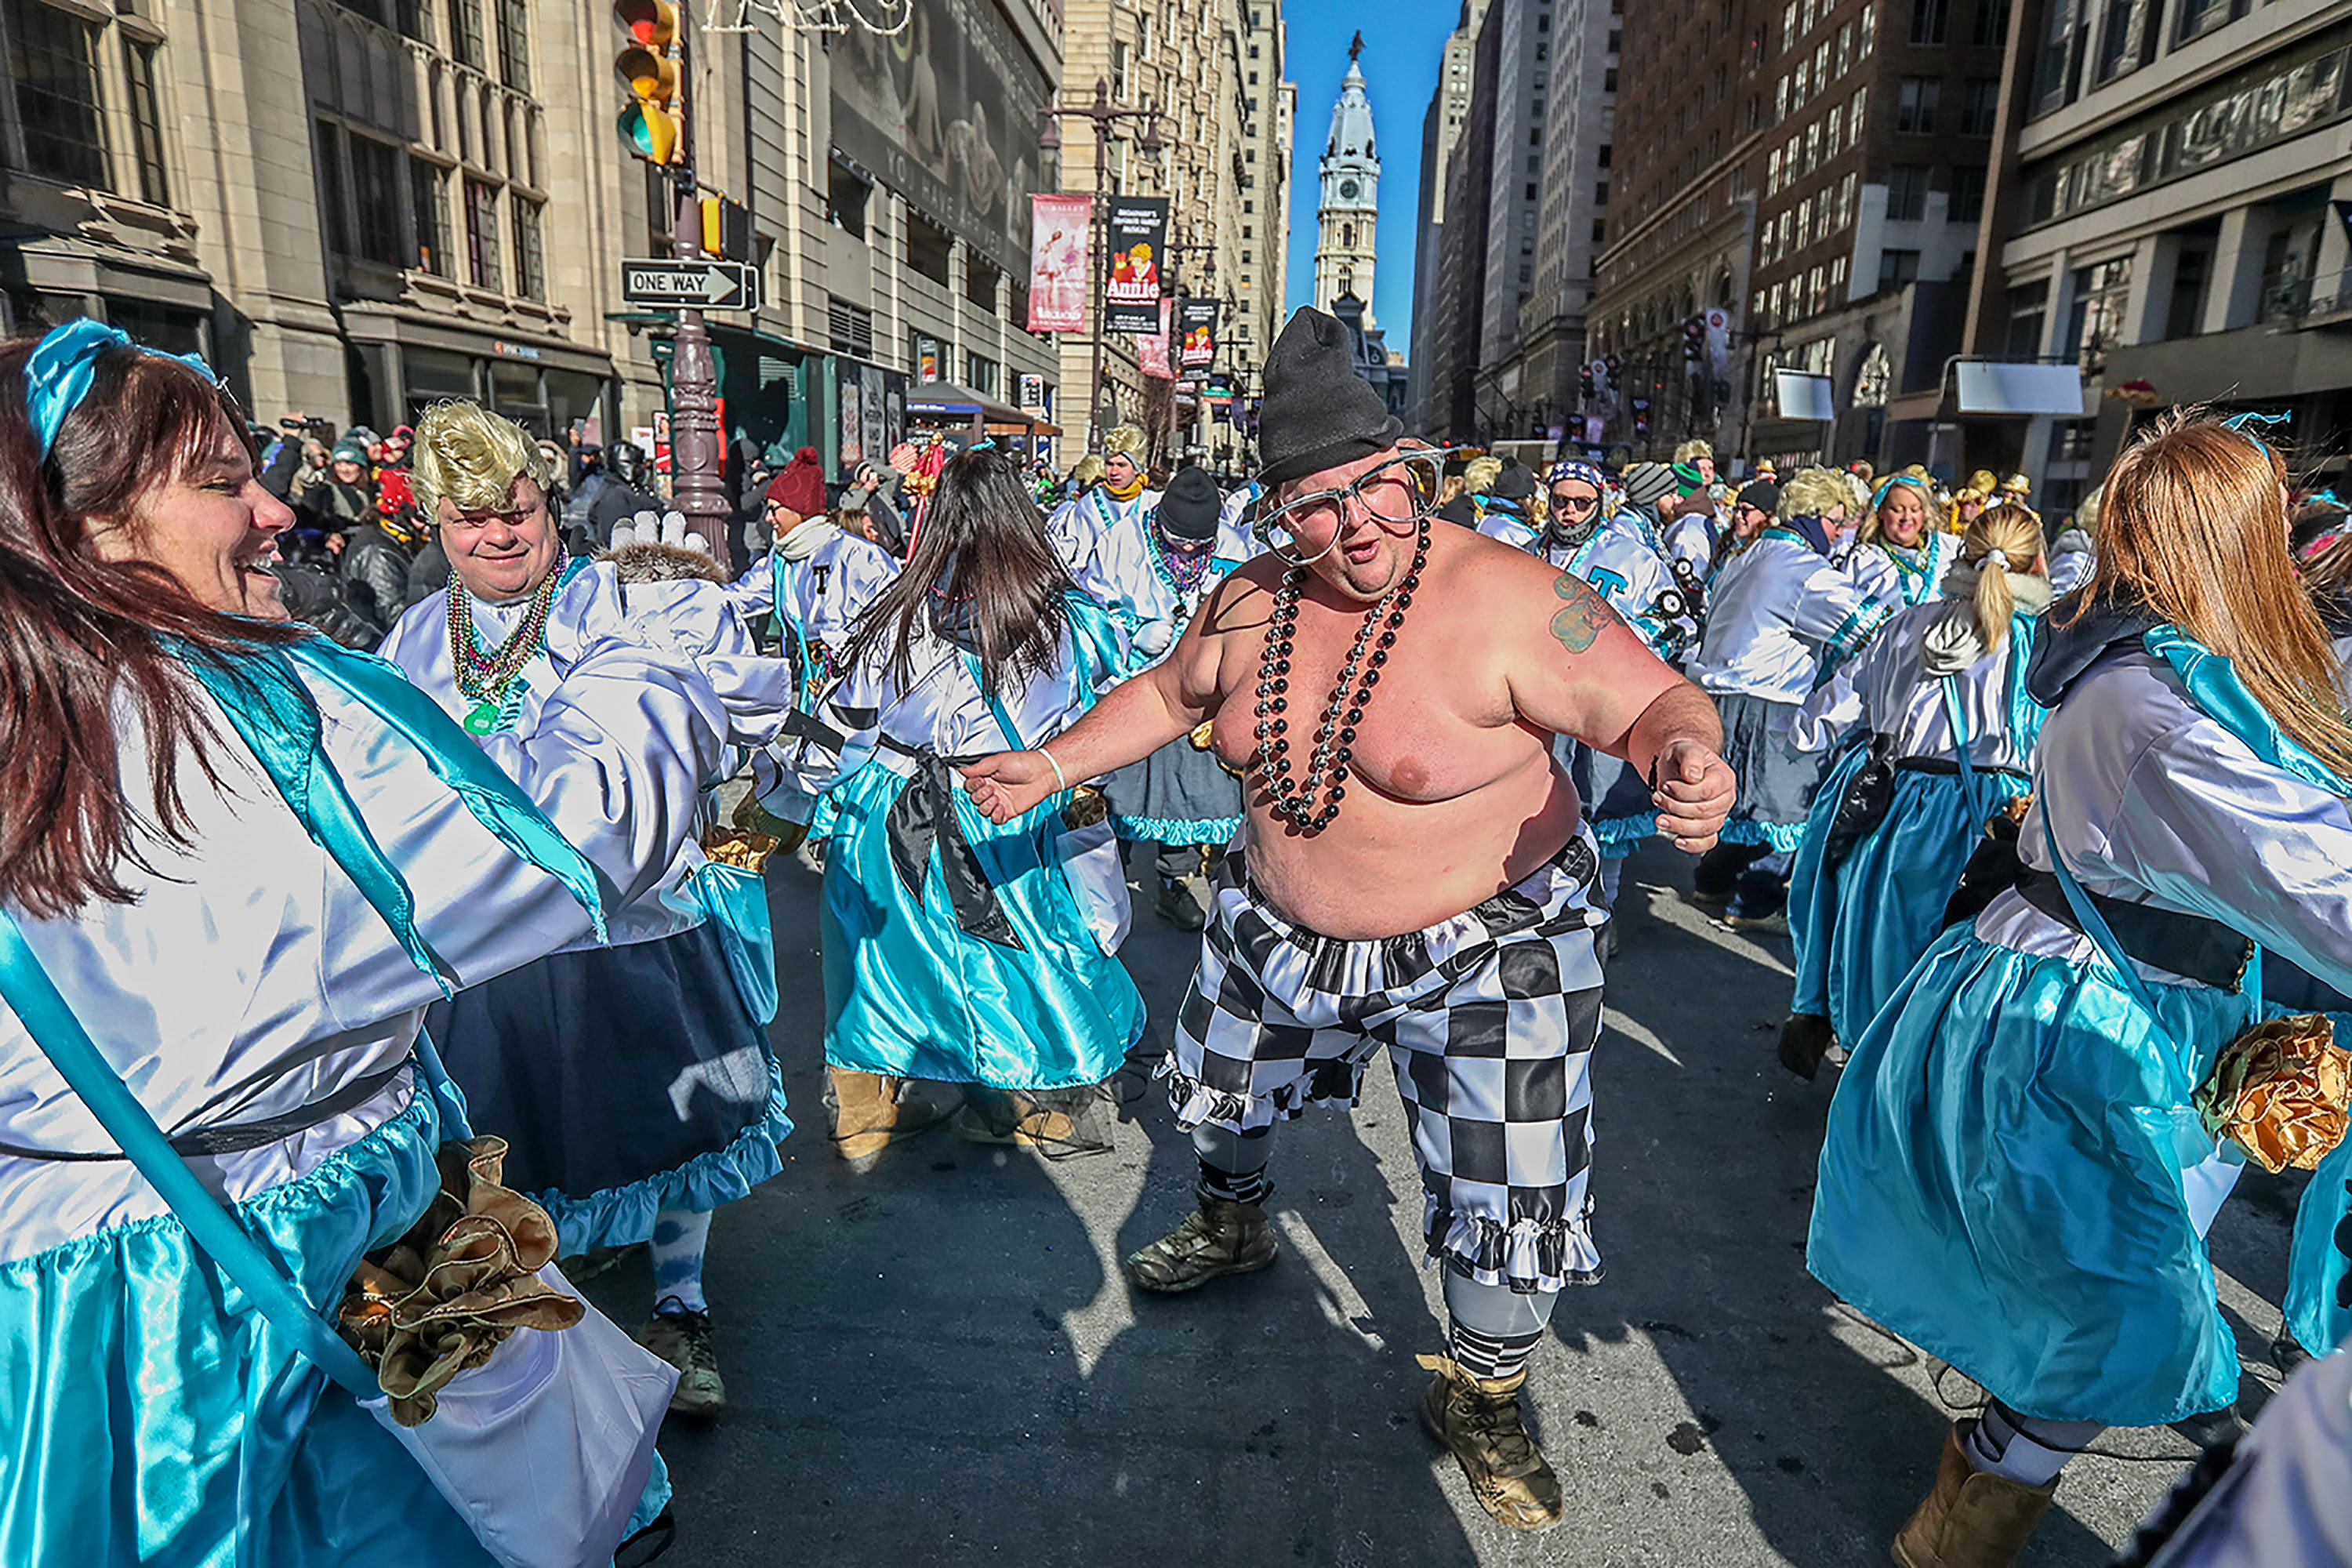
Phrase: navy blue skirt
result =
(624, 1079)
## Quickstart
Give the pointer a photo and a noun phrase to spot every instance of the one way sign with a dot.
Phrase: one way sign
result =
(693, 285)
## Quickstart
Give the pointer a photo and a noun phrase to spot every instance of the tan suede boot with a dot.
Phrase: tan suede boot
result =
(1970, 1518)
(1219, 1237)
(868, 1114)
(1477, 1419)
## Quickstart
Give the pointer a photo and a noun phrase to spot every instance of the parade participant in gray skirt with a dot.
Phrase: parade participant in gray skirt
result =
(1161, 566)
(1410, 874)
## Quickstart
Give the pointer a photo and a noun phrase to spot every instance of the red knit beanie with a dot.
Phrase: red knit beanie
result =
(801, 486)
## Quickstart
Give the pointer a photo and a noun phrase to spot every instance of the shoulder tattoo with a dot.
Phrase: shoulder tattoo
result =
(1584, 615)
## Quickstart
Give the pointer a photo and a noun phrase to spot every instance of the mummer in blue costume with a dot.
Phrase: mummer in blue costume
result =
(2016, 1176)
(255, 982)
(957, 949)
(631, 1078)
(1938, 728)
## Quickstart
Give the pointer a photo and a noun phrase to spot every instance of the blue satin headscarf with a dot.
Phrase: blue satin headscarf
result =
(58, 374)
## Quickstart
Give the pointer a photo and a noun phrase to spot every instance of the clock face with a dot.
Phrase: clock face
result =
(1348, 189)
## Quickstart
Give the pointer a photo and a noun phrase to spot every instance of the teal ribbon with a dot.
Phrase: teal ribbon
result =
(2213, 685)
(273, 713)
(59, 372)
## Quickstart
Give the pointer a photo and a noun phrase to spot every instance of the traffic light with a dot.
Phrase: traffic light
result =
(726, 229)
(1694, 340)
(652, 124)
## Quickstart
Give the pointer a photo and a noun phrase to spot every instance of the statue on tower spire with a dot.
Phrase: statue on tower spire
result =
(1357, 48)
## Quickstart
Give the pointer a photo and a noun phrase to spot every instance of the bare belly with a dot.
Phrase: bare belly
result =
(1386, 866)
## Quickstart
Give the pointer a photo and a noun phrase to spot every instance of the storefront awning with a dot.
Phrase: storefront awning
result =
(945, 399)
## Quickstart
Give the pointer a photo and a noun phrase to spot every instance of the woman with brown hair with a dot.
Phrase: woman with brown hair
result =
(247, 860)
(1938, 729)
(957, 949)
(2015, 1175)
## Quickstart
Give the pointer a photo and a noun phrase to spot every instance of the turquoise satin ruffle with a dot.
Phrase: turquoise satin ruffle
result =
(908, 993)
(1171, 830)
(2000, 1183)
(1775, 835)
(1860, 926)
(617, 1217)
(152, 1417)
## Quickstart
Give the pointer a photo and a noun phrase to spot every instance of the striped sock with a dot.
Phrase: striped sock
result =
(679, 1238)
(1490, 1356)
(1234, 1186)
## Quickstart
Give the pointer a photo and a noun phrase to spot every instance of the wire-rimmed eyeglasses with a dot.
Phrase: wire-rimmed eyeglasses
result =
(1403, 489)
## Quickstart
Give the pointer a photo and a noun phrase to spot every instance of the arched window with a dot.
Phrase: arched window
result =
(1348, 235)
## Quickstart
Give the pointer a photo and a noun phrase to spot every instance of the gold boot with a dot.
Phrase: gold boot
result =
(1477, 1419)
(1970, 1518)
(869, 1115)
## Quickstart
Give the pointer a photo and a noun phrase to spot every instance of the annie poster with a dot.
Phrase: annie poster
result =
(1139, 238)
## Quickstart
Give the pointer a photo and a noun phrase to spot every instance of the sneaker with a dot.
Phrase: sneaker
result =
(683, 1339)
(1478, 1421)
(1711, 902)
(1805, 1043)
(1774, 924)
(1219, 1237)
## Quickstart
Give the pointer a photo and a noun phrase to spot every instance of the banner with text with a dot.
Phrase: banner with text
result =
(1058, 227)
(1151, 348)
(1139, 234)
(1199, 323)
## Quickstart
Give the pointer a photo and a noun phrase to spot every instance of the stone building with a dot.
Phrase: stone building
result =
(1794, 161)
(2166, 218)
(354, 207)
(1224, 166)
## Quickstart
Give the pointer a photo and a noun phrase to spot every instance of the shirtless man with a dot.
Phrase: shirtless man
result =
(1415, 874)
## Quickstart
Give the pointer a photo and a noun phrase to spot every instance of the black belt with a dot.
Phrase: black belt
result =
(2188, 945)
(1949, 766)
(245, 1136)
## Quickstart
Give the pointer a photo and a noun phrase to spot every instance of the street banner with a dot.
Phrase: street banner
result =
(1199, 321)
(1058, 227)
(1719, 341)
(1151, 348)
(1139, 238)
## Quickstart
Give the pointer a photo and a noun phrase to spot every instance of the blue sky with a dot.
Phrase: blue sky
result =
(1401, 55)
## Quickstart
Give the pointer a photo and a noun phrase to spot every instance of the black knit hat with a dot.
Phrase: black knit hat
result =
(1318, 412)
(1763, 495)
(1189, 506)
(1514, 483)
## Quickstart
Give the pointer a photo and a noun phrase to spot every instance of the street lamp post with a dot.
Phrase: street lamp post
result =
(1049, 140)
(1177, 250)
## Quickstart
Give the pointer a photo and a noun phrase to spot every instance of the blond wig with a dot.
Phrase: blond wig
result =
(473, 457)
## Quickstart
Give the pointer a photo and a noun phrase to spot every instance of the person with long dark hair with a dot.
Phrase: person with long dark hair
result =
(2018, 1174)
(957, 950)
(247, 859)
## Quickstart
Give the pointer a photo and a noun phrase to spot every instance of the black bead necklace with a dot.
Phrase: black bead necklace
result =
(1335, 736)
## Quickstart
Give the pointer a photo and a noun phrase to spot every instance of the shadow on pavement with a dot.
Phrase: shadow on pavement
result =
(938, 1361)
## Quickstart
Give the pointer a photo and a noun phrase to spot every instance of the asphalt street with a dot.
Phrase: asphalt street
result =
(940, 1361)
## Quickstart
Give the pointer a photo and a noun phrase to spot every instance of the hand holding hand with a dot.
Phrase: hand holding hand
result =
(1010, 783)
(1694, 791)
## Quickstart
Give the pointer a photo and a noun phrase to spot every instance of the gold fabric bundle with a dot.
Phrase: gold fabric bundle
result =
(2281, 1091)
(450, 1291)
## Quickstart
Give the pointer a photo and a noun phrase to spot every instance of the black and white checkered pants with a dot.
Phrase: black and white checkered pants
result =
(1489, 1020)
